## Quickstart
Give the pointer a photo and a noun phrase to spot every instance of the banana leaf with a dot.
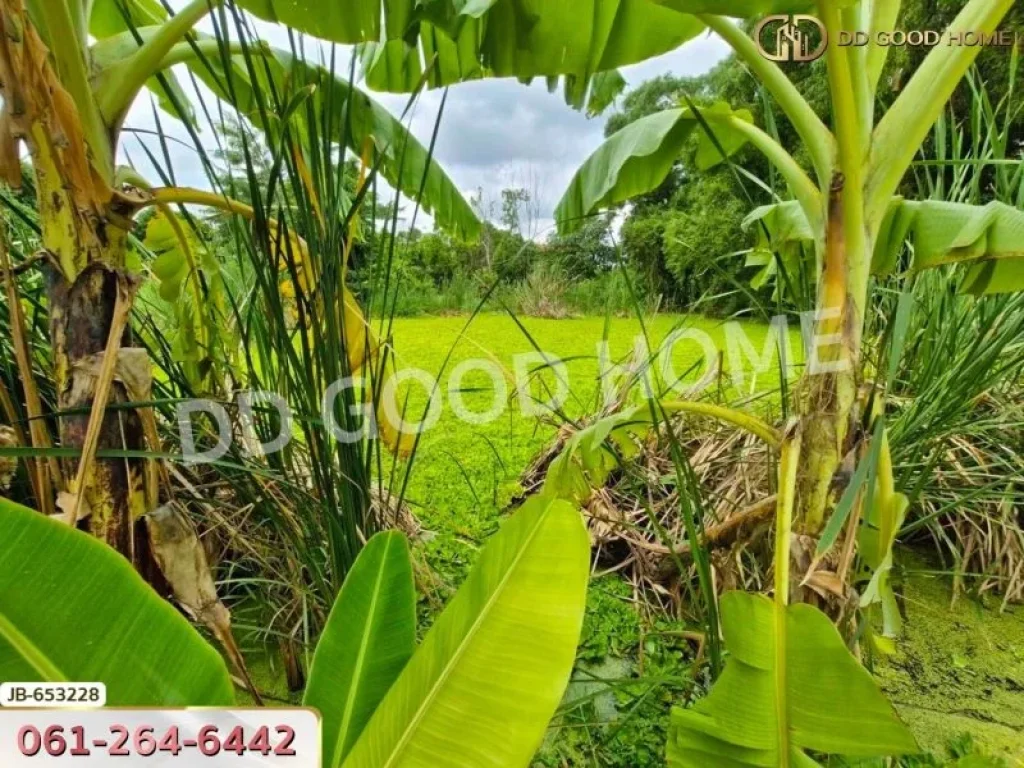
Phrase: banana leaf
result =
(744, 9)
(108, 19)
(480, 690)
(492, 38)
(790, 687)
(989, 239)
(636, 159)
(782, 234)
(369, 637)
(593, 452)
(462, 40)
(70, 607)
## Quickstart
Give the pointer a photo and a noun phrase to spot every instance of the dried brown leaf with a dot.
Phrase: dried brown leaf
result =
(183, 561)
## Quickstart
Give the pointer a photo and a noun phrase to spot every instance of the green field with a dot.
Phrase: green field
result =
(463, 471)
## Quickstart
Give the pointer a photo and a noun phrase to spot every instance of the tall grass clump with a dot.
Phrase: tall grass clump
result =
(291, 522)
(958, 437)
(247, 288)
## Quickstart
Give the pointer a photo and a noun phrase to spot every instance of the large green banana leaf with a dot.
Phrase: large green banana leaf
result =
(505, 38)
(71, 608)
(350, 114)
(480, 690)
(369, 637)
(790, 686)
(527, 39)
(636, 159)
(988, 238)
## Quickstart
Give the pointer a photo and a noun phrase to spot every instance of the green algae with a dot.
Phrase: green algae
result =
(958, 669)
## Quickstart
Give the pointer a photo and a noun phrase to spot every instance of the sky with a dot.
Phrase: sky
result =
(494, 133)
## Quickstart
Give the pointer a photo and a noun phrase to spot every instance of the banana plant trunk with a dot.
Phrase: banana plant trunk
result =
(84, 223)
(828, 390)
(829, 404)
(85, 279)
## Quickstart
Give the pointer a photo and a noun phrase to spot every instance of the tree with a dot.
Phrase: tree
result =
(686, 234)
(513, 200)
(586, 252)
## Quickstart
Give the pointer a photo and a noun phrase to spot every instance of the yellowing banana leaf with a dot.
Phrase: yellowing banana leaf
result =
(790, 687)
(369, 637)
(480, 690)
(70, 606)
(362, 346)
(636, 159)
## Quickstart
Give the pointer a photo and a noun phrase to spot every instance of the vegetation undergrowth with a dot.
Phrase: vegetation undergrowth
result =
(294, 286)
(632, 666)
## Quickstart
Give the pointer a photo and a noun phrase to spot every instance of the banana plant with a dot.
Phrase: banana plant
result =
(845, 206)
(69, 72)
(790, 686)
(497, 660)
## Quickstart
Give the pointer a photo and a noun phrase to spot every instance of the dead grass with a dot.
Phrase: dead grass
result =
(635, 521)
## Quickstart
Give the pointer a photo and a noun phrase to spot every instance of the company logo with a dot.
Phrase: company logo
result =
(791, 37)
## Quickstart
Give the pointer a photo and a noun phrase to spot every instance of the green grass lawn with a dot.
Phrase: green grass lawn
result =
(463, 472)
